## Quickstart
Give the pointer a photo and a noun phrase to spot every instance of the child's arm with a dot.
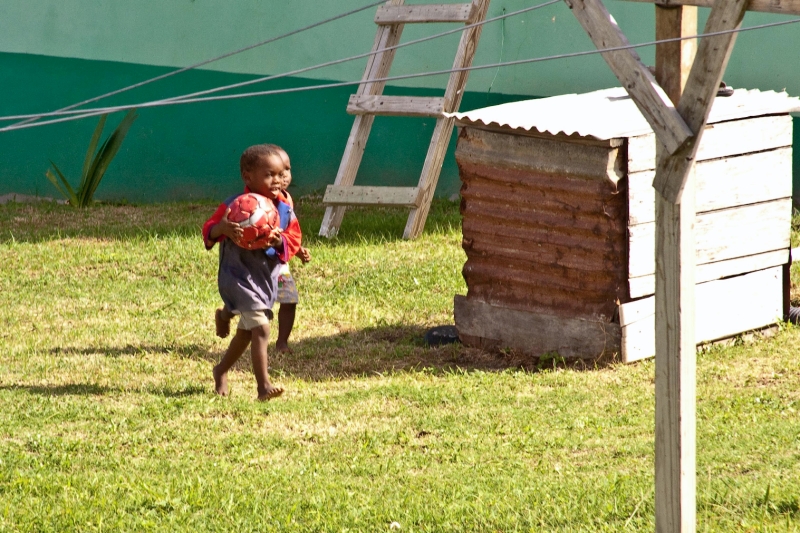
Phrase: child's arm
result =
(304, 255)
(218, 226)
(292, 237)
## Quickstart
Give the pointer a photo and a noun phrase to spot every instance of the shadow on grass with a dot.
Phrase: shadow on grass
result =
(190, 351)
(358, 353)
(92, 389)
(47, 221)
(386, 349)
(70, 389)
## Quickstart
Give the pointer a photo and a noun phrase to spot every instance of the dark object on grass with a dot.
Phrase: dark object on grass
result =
(794, 315)
(441, 335)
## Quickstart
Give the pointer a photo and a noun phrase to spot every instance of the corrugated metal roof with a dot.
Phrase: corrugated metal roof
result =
(610, 113)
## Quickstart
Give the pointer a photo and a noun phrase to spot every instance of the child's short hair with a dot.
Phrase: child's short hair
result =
(253, 155)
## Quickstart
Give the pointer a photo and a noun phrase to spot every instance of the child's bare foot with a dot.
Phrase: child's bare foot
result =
(283, 347)
(269, 393)
(220, 382)
(222, 323)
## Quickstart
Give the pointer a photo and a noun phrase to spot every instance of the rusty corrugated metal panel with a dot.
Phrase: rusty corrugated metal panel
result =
(610, 113)
(542, 241)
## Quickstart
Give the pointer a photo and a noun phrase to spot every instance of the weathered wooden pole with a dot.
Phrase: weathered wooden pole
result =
(675, 494)
(675, 262)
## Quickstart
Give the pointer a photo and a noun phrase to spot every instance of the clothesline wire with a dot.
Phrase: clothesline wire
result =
(159, 103)
(207, 61)
(66, 111)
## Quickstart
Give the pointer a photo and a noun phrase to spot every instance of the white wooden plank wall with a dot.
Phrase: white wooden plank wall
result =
(720, 235)
(723, 308)
(721, 183)
(646, 285)
(723, 139)
(743, 200)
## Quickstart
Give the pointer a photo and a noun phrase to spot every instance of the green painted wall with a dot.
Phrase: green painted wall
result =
(181, 32)
(192, 151)
(56, 52)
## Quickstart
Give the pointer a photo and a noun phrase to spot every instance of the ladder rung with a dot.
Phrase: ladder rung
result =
(359, 195)
(406, 106)
(425, 13)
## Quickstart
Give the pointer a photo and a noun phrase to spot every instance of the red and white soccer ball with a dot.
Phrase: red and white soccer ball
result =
(257, 217)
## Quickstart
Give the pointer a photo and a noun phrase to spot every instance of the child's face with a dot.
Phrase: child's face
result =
(287, 170)
(266, 178)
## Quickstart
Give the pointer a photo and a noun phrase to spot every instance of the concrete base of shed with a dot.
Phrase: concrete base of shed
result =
(488, 326)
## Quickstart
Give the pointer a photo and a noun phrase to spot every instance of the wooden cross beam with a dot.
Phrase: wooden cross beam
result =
(779, 7)
(701, 88)
(637, 79)
(678, 119)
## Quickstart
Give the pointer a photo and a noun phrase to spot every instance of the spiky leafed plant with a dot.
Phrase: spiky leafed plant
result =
(95, 163)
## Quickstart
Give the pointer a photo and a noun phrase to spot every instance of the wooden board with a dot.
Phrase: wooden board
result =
(463, 13)
(781, 7)
(724, 308)
(723, 139)
(701, 88)
(674, 58)
(535, 333)
(360, 195)
(721, 183)
(720, 235)
(646, 285)
(553, 157)
(406, 106)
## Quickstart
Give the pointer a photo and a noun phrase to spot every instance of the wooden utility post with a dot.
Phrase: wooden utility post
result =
(678, 118)
(675, 443)
(675, 460)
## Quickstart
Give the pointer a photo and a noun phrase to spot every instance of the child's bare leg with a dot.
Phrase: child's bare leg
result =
(222, 321)
(285, 325)
(235, 350)
(259, 338)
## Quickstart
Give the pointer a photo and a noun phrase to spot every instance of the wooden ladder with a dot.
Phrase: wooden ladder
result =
(369, 102)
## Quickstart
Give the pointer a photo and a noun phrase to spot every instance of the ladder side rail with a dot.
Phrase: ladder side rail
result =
(444, 126)
(378, 67)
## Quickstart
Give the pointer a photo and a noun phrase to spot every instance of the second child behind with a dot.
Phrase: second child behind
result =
(287, 289)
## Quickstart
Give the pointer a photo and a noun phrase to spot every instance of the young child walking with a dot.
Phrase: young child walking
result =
(287, 288)
(248, 279)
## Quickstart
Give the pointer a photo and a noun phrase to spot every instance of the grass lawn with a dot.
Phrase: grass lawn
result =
(108, 421)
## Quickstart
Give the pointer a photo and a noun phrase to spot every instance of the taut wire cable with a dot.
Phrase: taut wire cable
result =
(66, 111)
(159, 103)
(207, 61)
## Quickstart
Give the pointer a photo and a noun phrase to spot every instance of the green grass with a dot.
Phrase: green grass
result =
(108, 421)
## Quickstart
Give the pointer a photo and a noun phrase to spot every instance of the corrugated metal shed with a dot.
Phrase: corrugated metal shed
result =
(545, 233)
(610, 113)
(559, 228)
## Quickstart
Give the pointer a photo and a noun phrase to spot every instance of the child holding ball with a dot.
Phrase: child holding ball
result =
(248, 279)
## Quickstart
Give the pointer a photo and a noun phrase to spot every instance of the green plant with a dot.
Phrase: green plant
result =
(550, 361)
(95, 163)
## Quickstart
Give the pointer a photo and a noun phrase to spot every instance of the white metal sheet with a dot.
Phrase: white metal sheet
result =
(610, 113)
